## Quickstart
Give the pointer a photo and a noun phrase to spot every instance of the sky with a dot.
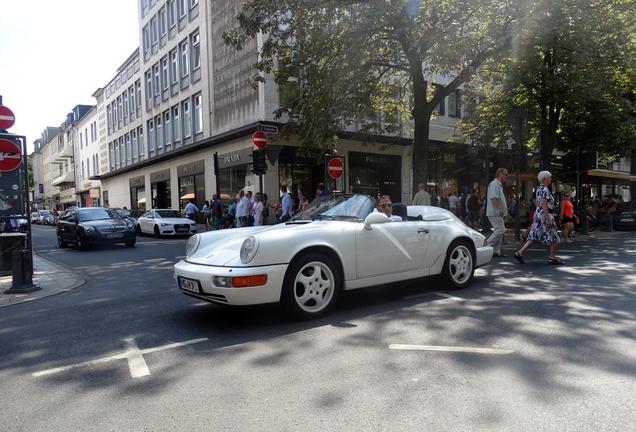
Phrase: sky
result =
(55, 53)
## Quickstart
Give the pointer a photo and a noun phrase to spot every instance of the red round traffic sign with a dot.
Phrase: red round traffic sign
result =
(7, 119)
(259, 139)
(10, 155)
(335, 168)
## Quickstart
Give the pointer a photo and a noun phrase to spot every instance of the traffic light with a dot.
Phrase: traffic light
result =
(259, 162)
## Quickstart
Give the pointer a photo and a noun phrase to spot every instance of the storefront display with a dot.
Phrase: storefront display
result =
(138, 193)
(160, 189)
(191, 185)
(233, 168)
(375, 174)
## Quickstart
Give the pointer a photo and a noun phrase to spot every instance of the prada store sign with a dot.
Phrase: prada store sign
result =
(190, 169)
(239, 157)
(160, 176)
(137, 181)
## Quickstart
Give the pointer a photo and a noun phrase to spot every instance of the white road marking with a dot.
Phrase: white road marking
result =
(136, 361)
(440, 348)
(441, 294)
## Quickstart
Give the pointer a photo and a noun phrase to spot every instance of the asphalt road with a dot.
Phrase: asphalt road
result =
(555, 351)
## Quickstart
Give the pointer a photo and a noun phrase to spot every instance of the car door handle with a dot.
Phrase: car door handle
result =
(423, 230)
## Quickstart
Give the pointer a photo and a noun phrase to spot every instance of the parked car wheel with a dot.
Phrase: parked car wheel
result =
(157, 232)
(61, 243)
(131, 243)
(459, 266)
(312, 286)
(138, 229)
(79, 243)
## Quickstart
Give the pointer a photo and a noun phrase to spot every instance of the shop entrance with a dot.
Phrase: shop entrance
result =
(161, 195)
(376, 174)
(138, 198)
(301, 171)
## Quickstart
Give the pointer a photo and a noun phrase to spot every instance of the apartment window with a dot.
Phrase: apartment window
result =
(146, 38)
(193, 3)
(198, 115)
(109, 118)
(138, 91)
(131, 100)
(174, 66)
(128, 150)
(455, 104)
(135, 147)
(159, 126)
(81, 140)
(187, 119)
(183, 51)
(111, 151)
(151, 136)
(82, 173)
(88, 168)
(115, 115)
(172, 14)
(196, 52)
(167, 125)
(122, 152)
(125, 105)
(162, 22)
(120, 110)
(164, 73)
(140, 138)
(155, 83)
(182, 8)
(176, 121)
(154, 31)
(117, 158)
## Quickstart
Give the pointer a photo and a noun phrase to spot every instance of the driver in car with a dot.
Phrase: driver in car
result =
(384, 205)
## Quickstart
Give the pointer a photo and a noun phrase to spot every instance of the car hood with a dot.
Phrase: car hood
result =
(105, 223)
(175, 220)
(218, 248)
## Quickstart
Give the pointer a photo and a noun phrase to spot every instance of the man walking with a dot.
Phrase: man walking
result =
(242, 210)
(191, 210)
(497, 210)
(286, 204)
(453, 203)
(422, 197)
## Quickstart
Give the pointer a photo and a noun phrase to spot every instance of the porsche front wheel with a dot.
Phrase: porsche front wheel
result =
(312, 286)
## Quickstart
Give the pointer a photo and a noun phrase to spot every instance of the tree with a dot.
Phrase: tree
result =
(571, 71)
(341, 61)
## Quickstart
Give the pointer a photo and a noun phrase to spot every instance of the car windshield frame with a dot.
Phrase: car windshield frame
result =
(175, 214)
(45, 213)
(82, 215)
(353, 208)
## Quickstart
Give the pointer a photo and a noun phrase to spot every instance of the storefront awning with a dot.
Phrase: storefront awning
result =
(188, 196)
(618, 175)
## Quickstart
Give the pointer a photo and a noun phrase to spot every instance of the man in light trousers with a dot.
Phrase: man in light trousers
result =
(497, 210)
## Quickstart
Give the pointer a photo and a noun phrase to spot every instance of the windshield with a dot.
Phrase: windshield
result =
(167, 214)
(122, 212)
(96, 214)
(355, 208)
(45, 213)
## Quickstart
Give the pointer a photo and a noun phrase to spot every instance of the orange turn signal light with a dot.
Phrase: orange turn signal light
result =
(249, 281)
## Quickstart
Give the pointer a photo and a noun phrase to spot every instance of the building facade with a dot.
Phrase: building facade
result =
(86, 154)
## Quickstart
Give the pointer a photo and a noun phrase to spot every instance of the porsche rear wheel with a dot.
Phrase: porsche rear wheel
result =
(459, 265)
(312, 286)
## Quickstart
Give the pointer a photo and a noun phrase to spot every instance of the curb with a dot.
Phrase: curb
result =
(77, 282)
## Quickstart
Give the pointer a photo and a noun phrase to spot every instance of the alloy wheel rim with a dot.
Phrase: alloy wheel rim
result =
(314, 287)
(461, 264)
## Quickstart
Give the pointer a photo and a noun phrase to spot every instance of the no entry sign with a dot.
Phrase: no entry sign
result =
(335, 168)
(10, 156)
(259, 139)
(7, 119)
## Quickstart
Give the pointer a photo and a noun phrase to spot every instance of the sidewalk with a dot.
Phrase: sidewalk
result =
(51, 278)
(511, 244)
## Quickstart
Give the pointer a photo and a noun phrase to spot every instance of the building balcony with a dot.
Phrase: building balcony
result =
(64, 154)
(67, 177)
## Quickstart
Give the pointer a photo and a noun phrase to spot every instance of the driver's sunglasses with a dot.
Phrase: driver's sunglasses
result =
(385, 205)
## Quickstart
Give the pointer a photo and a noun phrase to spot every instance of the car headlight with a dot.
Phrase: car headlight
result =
(248, 249)
(192, 244)
(164, 224)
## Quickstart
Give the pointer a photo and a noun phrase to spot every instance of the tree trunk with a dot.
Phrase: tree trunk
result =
(422, 118)
(632, 185)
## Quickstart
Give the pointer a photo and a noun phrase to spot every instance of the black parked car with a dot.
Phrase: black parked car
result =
(86, 226)
(625, 217)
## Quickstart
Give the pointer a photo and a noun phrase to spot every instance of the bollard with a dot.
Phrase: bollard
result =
(22, 274)
(610, 223)
(585, 225)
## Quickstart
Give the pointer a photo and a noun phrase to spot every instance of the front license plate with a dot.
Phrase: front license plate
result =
(189, 284)
(116, 236)
(627, 220)
(182, 230)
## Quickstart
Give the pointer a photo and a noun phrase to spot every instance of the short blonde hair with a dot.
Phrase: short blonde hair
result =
(543, 174)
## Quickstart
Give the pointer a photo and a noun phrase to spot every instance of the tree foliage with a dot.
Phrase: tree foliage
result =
(572, 72)
(339, 62)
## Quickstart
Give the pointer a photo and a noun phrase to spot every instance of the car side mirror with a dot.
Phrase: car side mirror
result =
(375, 218)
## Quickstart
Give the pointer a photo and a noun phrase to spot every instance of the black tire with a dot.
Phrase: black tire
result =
(459, 264)
(79, 243)
(292, 289)
(138, 230)
(61, 243)
(157, 232)
(131, 243)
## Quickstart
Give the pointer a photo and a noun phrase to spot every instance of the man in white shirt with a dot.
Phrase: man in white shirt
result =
(191, 210)
(497, 210)
(286, 204)
(258, 210)
(453, 203)
(242, 210)
(385, 206)
(422, 197)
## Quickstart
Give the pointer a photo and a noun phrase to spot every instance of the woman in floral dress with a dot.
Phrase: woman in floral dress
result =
(544, 228)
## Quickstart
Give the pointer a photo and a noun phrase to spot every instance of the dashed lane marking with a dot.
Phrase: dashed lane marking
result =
(440, 348)
(136, 362)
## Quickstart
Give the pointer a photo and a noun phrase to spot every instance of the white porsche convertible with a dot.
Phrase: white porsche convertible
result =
(337, 243)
